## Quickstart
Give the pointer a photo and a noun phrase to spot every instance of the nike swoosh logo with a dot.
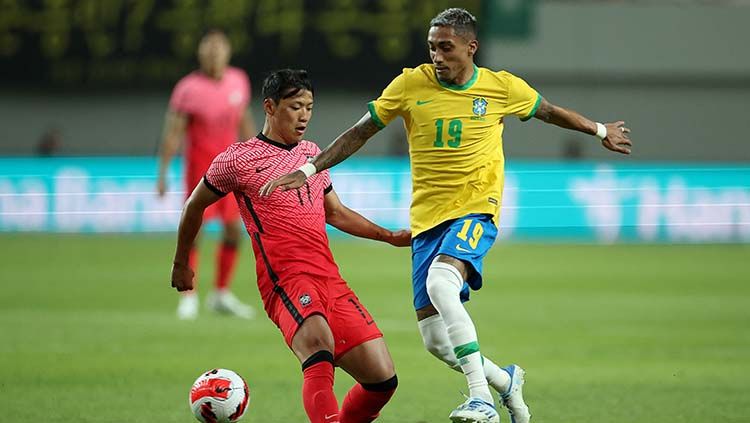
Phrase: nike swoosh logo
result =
(460, 248)
(421, 102)
(261, 169)
(331, 416)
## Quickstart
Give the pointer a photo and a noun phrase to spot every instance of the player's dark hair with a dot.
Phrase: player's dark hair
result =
(286, 83)
(464, 24)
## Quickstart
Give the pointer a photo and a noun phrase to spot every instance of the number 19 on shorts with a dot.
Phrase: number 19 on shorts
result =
(476, 232)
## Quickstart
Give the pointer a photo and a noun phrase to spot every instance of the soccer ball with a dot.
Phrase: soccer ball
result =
(219, 396)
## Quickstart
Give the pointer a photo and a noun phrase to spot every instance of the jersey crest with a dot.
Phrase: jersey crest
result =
(480, 106)
(305, 300)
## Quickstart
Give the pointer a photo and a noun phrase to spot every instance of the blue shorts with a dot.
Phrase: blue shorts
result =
(467, 238)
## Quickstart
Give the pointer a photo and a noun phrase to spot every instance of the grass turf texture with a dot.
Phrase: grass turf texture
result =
(606, 333)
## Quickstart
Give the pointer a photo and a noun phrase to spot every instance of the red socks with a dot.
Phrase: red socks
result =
(361, 405)
(364, 402)
(318, 398)
(225, 259)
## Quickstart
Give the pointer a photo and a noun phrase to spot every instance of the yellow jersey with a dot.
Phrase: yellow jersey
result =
(455, 138)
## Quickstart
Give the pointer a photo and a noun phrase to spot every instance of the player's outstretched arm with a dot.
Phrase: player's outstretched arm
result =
(174, 130)
(614, 135)
(342, 147)
(190, 224)
(346, 144)
(351, 222)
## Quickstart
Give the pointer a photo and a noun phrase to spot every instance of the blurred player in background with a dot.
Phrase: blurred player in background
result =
(453, 112)
(303, 293)
(209, 107)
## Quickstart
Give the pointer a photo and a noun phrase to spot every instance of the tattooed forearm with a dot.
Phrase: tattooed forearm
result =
(346, 144)
(564, 118)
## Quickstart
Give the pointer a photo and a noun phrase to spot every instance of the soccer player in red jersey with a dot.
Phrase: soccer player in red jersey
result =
(210, 105)
(320, 317)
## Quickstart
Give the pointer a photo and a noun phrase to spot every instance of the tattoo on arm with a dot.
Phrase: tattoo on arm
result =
(346, 144)
(564, 118)
(544, 112)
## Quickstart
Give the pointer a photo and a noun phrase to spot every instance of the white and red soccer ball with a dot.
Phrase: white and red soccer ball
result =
(219, 396)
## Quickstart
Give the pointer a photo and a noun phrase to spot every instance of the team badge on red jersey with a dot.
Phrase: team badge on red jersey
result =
(305, 300)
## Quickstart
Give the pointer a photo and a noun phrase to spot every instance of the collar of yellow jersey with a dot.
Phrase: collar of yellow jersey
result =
(463, 87)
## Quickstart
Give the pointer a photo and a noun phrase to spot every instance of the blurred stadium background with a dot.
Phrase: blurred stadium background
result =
(622, 280)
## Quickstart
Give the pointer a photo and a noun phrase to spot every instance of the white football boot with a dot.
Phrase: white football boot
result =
(513, 397)
(475, 410)
(225, 302)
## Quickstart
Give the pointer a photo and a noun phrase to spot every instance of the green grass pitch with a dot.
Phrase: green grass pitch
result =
(625, 333)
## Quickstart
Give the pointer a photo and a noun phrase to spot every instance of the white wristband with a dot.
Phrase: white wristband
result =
(601, 131)
(308, 169)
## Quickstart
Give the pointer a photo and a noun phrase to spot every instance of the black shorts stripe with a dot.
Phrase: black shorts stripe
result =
(288, 304)
(277, 289)
(213, 189)
(309, 196)
(256, 219)
(271, 273)
(299, 196)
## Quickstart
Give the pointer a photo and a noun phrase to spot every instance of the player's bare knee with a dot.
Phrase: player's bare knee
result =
(381, 365)
(312, 336)
(388, 369)
(314, 341)
(426, 312)
(381, 372)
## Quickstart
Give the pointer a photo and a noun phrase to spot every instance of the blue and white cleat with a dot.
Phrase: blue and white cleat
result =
(513, 398)
(475, 410)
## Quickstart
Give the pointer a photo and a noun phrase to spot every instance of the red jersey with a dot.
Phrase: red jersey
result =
(288, 228)
(214, 110)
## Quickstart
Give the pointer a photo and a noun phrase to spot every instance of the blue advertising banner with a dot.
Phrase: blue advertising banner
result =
(582, 201)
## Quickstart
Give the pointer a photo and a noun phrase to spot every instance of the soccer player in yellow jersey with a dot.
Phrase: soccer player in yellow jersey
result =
(453, 112)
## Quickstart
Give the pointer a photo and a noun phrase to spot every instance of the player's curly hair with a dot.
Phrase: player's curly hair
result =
(463, 23)
(286, 83)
